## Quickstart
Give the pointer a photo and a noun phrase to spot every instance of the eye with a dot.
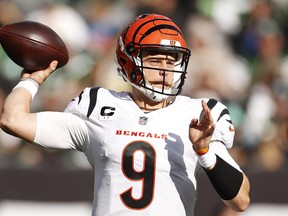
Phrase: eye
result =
(153, 61)
(170, 63)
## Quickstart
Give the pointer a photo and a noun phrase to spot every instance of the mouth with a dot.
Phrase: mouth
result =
(160, 85)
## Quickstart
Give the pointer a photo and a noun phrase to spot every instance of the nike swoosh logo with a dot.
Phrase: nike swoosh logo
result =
(229, 121)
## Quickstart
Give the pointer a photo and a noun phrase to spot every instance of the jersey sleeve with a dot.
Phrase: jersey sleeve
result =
(223, 136)
(61, 131)
(68, 129)
(84, 104)
(224, 131)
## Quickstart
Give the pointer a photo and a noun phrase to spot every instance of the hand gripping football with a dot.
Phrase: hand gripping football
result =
(33, 45)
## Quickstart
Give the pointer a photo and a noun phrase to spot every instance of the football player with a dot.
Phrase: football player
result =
(146, 146)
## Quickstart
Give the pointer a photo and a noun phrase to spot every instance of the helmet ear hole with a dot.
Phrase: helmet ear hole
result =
(130, 49)
(123, 61)
(135, 76)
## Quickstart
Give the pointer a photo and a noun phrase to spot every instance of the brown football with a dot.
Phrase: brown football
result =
(33, 45)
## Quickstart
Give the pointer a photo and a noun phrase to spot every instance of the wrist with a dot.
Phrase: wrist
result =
(208, 159)
(29, 84)
(201, 151)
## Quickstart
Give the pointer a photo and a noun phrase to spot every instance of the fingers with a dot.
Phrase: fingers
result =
(205, 123)
(41, 75)
(194, 122)
(210, 130)
(201, 130)
(207, 119)
(205, 108)
(207, 116)
(53, 65)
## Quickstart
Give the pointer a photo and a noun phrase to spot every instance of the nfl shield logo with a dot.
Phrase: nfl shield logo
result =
(143, 120)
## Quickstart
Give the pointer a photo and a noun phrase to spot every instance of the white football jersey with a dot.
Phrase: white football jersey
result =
(144, 163)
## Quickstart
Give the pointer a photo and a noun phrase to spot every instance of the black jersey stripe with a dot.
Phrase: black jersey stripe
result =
(143, 24)
(156, 28)
(80, 97)
(93, 99)
(224, 112)
(211, 103)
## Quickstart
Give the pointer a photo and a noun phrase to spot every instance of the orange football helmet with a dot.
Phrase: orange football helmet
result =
(156, 33)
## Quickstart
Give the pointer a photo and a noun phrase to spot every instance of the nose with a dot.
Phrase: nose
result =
(162, 72)
(164, 66)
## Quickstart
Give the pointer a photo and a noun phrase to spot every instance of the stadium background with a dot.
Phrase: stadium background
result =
(239, 56)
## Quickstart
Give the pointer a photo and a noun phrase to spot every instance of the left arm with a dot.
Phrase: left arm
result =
(242, 199)
(229, 181)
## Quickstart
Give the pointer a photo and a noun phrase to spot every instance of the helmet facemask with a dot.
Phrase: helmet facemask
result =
(137, 76)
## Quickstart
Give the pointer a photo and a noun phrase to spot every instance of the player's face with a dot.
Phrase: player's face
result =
(162, 64)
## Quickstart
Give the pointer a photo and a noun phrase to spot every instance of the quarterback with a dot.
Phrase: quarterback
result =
(146, 146)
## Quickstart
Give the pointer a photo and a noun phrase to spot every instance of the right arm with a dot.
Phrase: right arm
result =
(16, 118)
(231, 184)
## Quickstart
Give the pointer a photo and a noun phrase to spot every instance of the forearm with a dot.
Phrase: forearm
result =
(231, 184)
(242, 200)
(16, 118)
(225, 175)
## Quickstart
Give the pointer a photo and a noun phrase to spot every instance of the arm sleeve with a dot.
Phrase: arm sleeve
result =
(61, 131)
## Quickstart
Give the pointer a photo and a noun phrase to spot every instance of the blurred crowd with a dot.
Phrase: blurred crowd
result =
(239, 56)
